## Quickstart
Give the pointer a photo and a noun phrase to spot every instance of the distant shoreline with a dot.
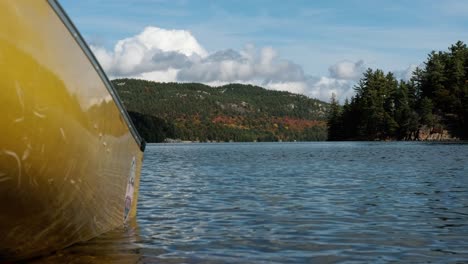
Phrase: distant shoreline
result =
(322, 141)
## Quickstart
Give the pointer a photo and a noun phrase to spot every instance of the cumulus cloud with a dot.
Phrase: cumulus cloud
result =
(407, 73)
(155, 52)
(293, 87)
(104, 57)
(175, 55)
(246, 65)
(347, 70)
(323, 88)
(154, 49)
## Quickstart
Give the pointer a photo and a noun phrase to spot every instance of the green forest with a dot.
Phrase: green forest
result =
(435, 99)
(234, 112)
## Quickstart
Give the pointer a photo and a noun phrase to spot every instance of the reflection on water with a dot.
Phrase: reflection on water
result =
(117, 246)
(293, 203)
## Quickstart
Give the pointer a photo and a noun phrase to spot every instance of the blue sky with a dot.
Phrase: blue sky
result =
(330, 42)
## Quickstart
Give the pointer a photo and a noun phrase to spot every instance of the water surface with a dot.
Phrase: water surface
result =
(293, 203)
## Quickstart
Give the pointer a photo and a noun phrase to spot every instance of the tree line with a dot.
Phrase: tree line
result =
(234, 112)
(384, 108)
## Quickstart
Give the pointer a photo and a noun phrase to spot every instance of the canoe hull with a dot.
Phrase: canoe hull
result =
(68, 156)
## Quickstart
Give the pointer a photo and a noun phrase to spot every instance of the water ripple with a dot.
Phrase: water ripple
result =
(300, 203)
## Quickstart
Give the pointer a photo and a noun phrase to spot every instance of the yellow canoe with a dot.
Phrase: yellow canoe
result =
(70, 158)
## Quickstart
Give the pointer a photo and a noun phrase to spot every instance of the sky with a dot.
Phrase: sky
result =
(314, 48)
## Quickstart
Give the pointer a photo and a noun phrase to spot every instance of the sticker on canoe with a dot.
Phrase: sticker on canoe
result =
(130, 189)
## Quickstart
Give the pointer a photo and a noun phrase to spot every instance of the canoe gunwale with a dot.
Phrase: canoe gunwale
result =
(58, 9)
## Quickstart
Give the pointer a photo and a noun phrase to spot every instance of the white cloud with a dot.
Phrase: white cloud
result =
(347, 70)
(293, 87)
(248, 65)
(104, 57)
(324, 87)
(407, 73)
(170, 75)
(175, 55)
(180, 41)
(151, 50)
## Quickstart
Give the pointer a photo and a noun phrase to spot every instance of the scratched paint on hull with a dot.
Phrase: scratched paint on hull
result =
(66, 152)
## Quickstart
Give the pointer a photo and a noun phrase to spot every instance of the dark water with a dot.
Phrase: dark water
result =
(293, 203)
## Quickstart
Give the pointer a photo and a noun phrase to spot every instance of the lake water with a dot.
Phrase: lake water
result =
(293, 203)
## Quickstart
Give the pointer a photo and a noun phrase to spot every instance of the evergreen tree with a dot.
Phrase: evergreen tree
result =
(334, 120)
(435, 97)
(425, 112)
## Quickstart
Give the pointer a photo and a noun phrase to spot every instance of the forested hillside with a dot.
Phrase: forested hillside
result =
(435, 100)
(234, 112)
